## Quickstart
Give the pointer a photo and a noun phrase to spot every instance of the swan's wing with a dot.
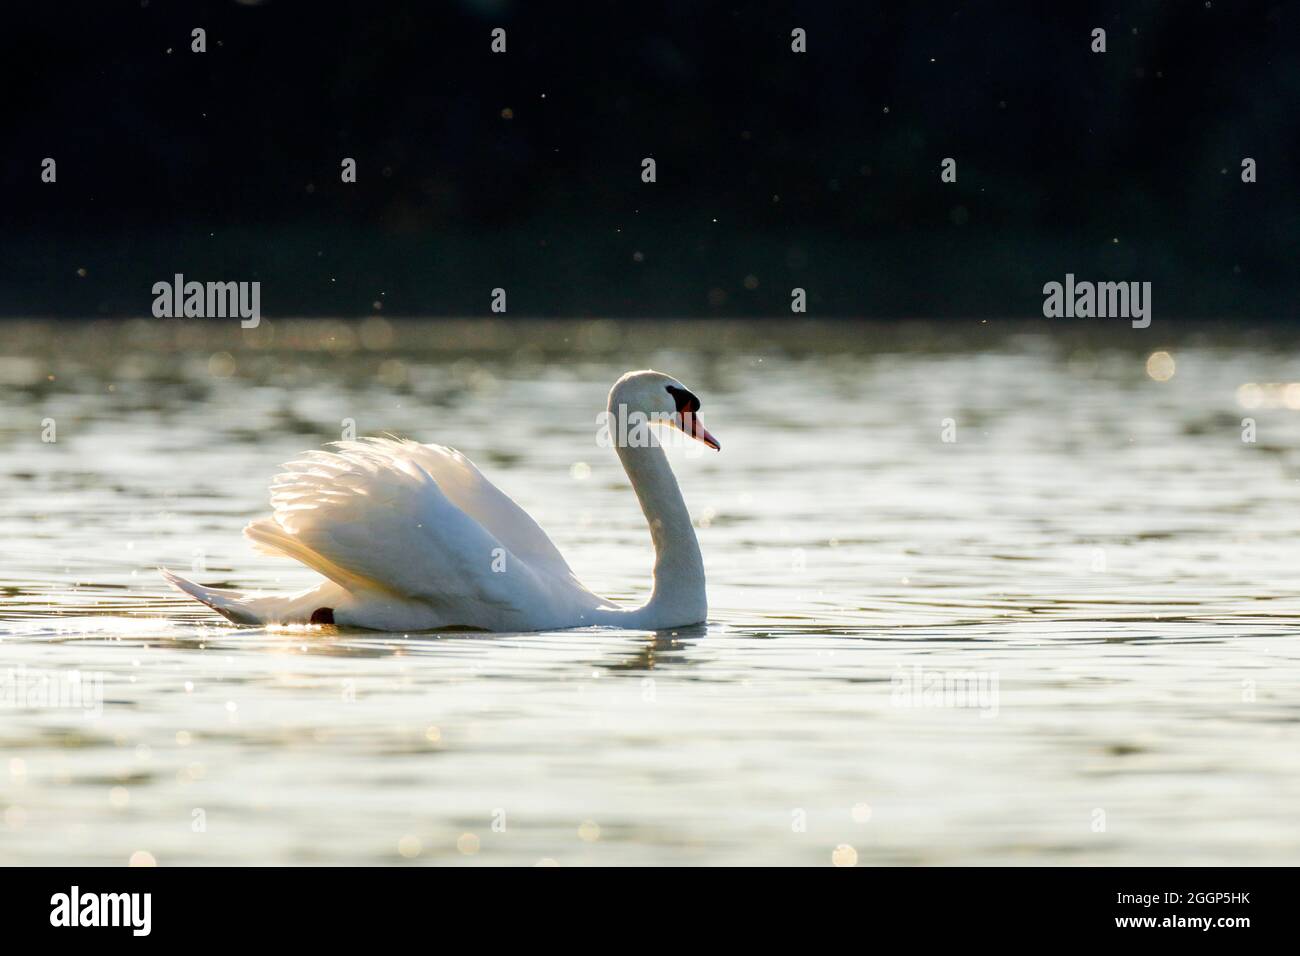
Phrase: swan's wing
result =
(371, 515)
(466, 488)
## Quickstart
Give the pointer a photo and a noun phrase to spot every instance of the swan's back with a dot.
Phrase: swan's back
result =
(374, 463)
(418, 523)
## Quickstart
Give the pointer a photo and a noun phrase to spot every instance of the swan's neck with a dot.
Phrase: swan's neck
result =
(679, 595)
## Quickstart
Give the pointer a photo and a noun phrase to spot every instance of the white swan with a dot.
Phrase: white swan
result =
(413, 537)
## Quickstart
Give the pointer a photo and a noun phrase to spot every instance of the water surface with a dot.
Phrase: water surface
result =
(1066, 636)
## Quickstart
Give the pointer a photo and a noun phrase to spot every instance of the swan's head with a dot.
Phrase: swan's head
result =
(660, 398)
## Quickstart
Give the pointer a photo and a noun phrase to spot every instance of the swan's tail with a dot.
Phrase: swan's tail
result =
(313, 606)
(234, 605)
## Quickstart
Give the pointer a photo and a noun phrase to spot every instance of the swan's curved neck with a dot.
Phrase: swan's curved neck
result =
(679, 595)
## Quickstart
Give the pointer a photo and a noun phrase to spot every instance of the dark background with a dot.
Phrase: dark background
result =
(818, 170)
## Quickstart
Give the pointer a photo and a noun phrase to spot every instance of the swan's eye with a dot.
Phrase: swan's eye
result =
(686, 401)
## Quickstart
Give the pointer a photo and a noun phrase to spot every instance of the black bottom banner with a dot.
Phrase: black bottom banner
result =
(339, 905)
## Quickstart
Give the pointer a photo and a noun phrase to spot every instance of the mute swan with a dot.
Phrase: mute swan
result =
(413, 537)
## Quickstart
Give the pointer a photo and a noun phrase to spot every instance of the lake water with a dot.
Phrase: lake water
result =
(1067, 636)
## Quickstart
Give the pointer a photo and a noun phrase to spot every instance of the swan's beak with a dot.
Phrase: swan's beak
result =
(691, 424)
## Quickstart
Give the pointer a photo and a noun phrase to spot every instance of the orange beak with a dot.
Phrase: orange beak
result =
(691, 424)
